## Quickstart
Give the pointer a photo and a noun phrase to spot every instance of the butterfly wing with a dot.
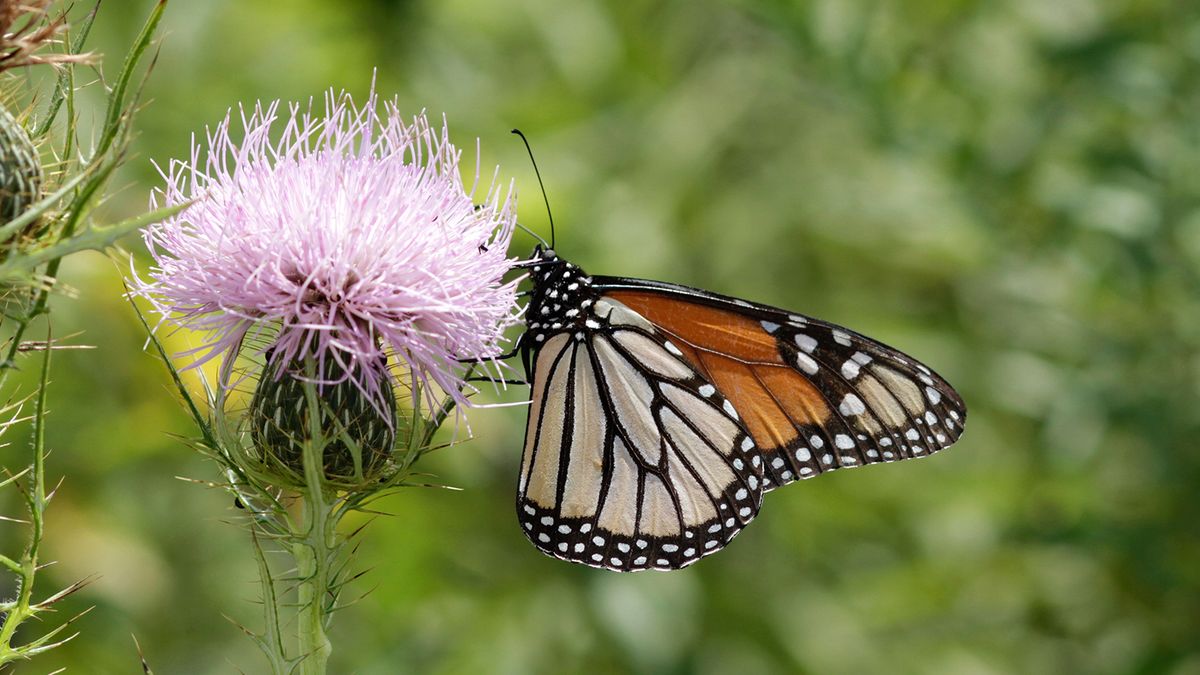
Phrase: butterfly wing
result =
(633, 459)
(814, 396)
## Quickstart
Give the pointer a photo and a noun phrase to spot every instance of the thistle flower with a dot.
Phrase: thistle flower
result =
(349, 241)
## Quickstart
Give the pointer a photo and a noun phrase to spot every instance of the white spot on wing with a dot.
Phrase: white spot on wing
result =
(850, 369)
(729, 409)
(806, 363)
(851, 406)
(841, 338)
(769, 326)
(806, 342)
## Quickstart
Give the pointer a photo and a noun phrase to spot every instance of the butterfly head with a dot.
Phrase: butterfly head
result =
(543, 253)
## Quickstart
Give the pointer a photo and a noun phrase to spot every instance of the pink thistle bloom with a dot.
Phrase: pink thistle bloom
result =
(349, 238)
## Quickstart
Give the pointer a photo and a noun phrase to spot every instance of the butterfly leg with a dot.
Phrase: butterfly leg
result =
(499, 380)
(516, 349)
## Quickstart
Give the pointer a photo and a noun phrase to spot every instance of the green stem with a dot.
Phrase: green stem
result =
(23, 608)
(315, 548)
(312, 555)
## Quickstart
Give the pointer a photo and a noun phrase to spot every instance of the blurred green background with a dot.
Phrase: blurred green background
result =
(1008, 190)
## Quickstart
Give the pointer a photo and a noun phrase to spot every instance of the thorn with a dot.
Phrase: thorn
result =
(141, 656)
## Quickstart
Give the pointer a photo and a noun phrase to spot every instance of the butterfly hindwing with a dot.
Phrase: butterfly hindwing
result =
(633, 459)
(814, 396)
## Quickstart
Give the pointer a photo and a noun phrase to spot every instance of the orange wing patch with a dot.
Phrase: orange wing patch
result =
(706, 327)
(767, 423)
(742, 360)
(798, 396)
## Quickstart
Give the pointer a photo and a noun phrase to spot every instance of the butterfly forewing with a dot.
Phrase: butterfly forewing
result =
(633, 459)
(814, 396)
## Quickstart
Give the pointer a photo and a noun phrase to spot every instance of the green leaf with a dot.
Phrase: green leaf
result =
(116, 99)
(19, 268)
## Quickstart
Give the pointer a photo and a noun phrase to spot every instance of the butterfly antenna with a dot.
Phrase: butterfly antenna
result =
(540, 184)
(533, 234)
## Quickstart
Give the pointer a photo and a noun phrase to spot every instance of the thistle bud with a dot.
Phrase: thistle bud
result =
(20, 170)
(358, 431)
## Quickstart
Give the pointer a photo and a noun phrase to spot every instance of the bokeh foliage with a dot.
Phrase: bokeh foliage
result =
(1008, 190)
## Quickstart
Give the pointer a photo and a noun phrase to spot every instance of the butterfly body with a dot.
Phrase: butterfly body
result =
(661, 414)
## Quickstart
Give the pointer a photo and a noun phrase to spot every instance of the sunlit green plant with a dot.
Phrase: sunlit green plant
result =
(49, 187)
(341, 272)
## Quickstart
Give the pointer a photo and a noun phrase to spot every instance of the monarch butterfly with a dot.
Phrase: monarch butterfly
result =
(661, 414)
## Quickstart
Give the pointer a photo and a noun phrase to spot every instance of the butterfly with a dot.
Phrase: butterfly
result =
(661, 414)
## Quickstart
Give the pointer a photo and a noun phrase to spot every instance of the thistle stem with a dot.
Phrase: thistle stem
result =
(26, 570)
(313, 553)
(316, 546)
